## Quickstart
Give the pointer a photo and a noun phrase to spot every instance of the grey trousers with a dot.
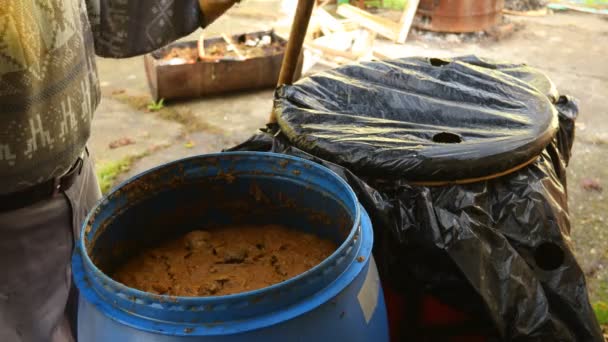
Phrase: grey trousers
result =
(36, 243)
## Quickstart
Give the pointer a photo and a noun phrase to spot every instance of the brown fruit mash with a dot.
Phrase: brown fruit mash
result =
(224, 261)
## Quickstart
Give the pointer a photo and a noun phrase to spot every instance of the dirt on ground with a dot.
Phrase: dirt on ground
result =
(524, 5)
(224, 261)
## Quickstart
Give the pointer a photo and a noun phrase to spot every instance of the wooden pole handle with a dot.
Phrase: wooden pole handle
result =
(294, 45)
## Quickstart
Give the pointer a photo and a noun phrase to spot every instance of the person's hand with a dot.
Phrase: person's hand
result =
(212, 9)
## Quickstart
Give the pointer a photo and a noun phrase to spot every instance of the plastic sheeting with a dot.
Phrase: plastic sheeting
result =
(499, 249)
(437, 120)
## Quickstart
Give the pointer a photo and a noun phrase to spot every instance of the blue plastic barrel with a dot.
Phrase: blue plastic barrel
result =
(338, 300)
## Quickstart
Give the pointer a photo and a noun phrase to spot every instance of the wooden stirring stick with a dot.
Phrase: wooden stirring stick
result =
(294, 45)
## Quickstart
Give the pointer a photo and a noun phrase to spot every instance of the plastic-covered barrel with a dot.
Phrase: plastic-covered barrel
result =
(340, 299)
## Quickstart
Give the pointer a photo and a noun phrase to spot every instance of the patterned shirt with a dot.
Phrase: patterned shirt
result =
(48, 80)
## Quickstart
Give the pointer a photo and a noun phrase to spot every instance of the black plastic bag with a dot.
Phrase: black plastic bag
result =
(425, 121)
(497, 249)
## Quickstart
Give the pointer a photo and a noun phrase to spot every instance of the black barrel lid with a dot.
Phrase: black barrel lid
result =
(422, 119)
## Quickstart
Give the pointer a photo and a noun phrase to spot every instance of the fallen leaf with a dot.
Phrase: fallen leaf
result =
(156, 147)
(121, 142)
(591, 184)
(189, 144)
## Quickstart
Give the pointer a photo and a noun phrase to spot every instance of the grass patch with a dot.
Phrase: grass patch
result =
(108, 172)
(154, 106)
(601, 312)
(600, 307)
(386, 4)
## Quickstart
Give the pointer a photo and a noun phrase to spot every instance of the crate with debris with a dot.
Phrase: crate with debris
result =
(216, 65)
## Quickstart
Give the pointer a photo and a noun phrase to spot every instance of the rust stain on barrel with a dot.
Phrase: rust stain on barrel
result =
(458, 15)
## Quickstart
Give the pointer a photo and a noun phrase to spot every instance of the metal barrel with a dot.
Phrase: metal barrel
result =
(458, 15)
(340, 299)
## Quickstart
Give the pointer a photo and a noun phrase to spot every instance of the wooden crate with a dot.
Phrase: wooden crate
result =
(204, 78)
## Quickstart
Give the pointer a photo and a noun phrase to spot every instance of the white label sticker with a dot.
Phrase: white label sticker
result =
(368, 294)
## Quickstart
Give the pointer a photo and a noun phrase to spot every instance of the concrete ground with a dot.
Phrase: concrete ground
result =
(570, 47)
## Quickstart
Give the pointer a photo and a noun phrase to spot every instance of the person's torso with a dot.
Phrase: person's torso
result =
(48, 89)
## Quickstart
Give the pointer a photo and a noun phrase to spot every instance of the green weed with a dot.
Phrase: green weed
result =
(601, 312)
(108, 172)
(156, 106)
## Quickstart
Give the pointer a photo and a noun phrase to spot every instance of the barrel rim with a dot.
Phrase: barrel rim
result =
(84, 266)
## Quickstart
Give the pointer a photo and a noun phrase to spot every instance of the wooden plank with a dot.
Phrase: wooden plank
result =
(228, 41)
(537, 13)
(329, 64)
(363, 43)
(328, 21)
(331, 52)
(379, 55)
(201, 46)
(406, 20)
(337, 44)
(348, 25)
(329, 24)
(382, 26)
(338, 41)
(561, 6)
